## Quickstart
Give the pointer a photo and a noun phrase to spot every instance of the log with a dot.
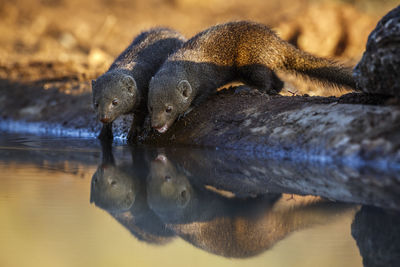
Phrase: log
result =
(312, 128)
(359, 129)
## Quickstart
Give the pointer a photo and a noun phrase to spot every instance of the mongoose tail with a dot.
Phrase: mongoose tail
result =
(318, 69)
(255, 43)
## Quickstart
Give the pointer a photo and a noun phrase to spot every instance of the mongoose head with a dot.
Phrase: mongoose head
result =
(112, 188)
(168, 189)
(169, 97)
(114, 94)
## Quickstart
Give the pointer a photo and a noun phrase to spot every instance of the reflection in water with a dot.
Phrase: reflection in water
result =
(164, 201)
(219, 201)
(247, 173)
(228, 226)
(377, 233)
(120, 189)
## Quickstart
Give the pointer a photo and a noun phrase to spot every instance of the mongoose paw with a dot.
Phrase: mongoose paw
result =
(106, 145)
(249, 90)
(146, 129)
(106, 132)
(137, 134)
(144, 133)
(132, 136)
(242, 89)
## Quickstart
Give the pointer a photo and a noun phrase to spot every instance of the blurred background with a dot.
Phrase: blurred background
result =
(83, 37)
(93, 33)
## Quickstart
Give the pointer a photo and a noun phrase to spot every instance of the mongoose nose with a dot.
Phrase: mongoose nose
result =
(105, 119)
(161, 128)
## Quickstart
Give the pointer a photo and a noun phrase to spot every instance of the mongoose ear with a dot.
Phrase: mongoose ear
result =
(184, 198)
(93, 83)
(185, 89)
(129, 83)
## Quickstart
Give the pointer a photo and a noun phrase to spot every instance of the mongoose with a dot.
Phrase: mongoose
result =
(236, 51)
(123, 88)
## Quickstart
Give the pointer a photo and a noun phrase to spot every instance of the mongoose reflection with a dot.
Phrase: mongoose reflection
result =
(120, 189)
(123, 88)
(236, 51)
(162, 202)
(230, 227)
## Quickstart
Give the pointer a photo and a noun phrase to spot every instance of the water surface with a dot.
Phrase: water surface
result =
(71, 202)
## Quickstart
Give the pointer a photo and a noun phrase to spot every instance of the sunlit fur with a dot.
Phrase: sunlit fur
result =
(236, 51)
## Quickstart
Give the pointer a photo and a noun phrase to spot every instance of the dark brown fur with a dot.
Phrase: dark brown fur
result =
(237, 51)
(123, 88)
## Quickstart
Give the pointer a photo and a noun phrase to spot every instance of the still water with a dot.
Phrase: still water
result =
(76, 203)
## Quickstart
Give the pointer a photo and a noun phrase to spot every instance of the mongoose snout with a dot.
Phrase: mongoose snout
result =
(104, 119)
(161, 128)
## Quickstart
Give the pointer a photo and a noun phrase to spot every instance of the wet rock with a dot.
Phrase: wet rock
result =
(379, 69)
(377, 236)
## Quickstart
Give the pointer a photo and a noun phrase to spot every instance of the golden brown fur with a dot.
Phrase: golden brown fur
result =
(237, 51)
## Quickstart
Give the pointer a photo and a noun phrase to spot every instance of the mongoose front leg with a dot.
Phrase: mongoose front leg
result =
(106, 132)
(145, 129)
(133, 132)
(136, 128)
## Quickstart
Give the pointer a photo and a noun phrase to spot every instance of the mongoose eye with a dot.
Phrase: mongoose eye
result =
(183, 194)
(168, 109)
(96, 105)
(114, 102)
